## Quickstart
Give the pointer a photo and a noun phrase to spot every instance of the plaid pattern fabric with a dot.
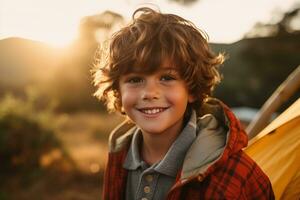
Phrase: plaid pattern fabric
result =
(240, 178)
(233, 176)
(115, 177)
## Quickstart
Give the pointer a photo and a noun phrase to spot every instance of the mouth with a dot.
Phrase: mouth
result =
(152, 111)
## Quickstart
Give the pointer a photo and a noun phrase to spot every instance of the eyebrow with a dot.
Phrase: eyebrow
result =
(169, 70)
(162, 69)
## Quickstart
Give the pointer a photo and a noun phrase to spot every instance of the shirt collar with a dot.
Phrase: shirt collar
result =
(173, 159)
(133, 159)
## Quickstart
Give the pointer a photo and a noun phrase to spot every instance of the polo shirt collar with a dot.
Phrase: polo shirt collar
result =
(133, 159)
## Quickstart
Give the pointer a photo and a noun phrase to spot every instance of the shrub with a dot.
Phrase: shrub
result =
(26, 133)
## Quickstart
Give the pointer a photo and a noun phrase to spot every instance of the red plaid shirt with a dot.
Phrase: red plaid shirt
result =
(233, 176)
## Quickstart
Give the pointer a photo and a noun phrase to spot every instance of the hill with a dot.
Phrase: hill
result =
(56, 74)
(256, 67)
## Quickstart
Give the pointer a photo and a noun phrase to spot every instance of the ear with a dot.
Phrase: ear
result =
(122, 111)
(191, 99)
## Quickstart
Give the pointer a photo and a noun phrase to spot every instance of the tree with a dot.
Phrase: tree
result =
(286, 26)
(184, 2)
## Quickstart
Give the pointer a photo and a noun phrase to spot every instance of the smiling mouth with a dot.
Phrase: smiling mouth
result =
(152, 111)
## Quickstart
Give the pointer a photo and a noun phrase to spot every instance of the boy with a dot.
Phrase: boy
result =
(177, 143)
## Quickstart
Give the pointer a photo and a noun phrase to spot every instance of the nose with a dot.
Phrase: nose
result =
(151, 90)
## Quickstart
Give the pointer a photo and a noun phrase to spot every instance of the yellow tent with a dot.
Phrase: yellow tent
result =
(277, 150)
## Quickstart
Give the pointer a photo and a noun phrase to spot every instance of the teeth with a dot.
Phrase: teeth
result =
(152, 111)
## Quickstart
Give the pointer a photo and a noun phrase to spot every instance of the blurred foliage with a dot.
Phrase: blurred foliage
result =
(35, 163)
(26, 133)
(288, 24)
(255, 68)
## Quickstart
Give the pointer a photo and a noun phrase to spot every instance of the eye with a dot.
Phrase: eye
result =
(134, 80)
(167, 78)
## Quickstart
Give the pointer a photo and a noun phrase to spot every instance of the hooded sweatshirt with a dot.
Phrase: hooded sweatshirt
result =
(209, 171)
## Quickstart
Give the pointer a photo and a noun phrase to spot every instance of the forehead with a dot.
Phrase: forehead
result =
(165, 65)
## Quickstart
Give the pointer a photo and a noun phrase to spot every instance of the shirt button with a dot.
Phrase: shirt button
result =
(149, 178)
(147, 189)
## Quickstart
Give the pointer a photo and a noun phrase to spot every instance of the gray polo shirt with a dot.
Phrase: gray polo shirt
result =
(146, 182)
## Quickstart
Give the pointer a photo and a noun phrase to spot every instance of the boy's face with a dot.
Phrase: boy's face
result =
(155, 102)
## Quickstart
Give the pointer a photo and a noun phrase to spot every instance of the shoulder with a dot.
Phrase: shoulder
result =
(243, 166)
(237, 168)
(256, 184)
(240, 167)
(243, 177)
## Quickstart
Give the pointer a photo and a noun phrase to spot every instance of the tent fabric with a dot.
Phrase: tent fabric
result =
(277, 150)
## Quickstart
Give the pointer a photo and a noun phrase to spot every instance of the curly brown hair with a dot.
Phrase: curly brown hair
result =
(143, 46)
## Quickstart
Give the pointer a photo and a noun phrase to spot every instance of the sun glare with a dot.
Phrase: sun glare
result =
(56, 22)
(54, 34)
(52, 22)
(58, 37)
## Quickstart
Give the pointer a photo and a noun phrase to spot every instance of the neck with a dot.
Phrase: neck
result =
(155, 146)
(153, 150)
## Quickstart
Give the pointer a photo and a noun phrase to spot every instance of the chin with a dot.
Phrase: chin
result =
(152, 131)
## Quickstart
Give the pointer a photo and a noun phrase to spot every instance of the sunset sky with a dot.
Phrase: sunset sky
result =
(56, 21)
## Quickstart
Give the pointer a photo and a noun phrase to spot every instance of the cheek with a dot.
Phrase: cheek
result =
(178, 96)
(128, 98)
